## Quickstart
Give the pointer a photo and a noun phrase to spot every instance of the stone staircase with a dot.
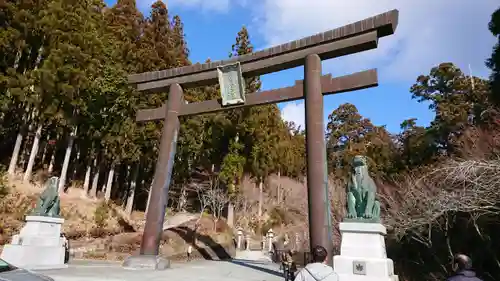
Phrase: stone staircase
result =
(253, 256)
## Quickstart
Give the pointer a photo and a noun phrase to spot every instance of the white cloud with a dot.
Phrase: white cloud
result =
(294, 112)
(219, 6)
(429, 32)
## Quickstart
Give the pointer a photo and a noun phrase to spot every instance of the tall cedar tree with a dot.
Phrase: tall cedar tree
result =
(126, 24)
(350, 134)
(494, 61)
(457, 100)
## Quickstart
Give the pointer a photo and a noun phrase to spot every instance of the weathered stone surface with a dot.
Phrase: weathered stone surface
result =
(363, 254)
(39, 244)
(144, 262)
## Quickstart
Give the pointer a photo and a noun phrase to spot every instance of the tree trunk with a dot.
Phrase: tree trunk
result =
(76, 164)
(86, 181)
(95, 180)
(38, 133)
(22, 153)
(25, 147)
(149, 197)
(109, 184)
(52, 160)
(125, 182)
(15, 154)
(34, 152)
(279, 187)
(230, 214)
(45, 148)
(131, 194)
(181, 206)
(261, 198)
(19, 139)
(67, 157)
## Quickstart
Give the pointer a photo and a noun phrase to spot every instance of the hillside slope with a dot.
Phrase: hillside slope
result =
(103, 231)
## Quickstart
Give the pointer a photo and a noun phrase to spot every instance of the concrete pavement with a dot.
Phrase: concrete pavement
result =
(233, 270)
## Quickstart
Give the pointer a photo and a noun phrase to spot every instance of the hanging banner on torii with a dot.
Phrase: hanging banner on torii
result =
(232, 84)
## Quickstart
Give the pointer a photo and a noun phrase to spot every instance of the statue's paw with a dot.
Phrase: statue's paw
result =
(351, 216)
(367, 216)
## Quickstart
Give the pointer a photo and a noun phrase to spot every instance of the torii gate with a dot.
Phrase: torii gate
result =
(309, 51)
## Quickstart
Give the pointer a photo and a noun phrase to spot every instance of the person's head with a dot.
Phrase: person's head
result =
(319, 254)
(461, 262)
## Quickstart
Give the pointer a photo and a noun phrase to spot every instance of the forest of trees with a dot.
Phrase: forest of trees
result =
(66, 109)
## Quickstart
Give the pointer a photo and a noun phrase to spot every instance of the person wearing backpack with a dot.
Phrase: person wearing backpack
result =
(318, 270)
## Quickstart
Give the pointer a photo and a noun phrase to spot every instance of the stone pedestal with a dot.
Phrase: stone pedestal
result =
(39, 244)
(146, 262)
(363, 255)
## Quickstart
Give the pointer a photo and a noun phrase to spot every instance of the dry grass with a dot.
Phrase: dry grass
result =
(174, 242)
(284, 208)
(104, 231)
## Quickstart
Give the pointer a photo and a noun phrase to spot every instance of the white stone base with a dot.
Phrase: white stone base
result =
(363, 255)
(38, 245)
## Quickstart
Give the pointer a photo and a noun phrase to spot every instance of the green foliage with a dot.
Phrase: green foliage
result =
(65, 68)
(278, 216)
(168, 212)
(4, 187)
(233, 163)
(350, 134)
(494, 61)
(460, 103)
(101, 215)
(465, 126)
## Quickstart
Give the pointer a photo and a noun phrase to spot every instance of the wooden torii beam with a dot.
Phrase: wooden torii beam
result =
(329, 85)
(309, 51)
(349, 39)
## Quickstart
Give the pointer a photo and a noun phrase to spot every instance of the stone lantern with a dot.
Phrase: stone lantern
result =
(247, 242)
(239, 239)
(270, 236)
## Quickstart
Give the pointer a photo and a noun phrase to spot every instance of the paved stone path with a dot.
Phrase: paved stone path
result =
(253, 255)
(234, 270)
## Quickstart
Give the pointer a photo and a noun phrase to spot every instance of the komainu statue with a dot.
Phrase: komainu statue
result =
(361, 191)
(48, 204)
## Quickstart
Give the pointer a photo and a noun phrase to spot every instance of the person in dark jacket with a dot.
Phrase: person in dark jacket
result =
(462, 265)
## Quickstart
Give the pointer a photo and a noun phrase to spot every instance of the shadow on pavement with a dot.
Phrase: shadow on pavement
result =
(189, 236)
(255, 265)
(255, 262)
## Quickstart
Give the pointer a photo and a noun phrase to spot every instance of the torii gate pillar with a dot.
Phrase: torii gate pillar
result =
(320, 230)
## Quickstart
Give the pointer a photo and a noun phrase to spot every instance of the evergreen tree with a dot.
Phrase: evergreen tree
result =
(457, 101)
(494, 61)
(126, 24)
(350, 134)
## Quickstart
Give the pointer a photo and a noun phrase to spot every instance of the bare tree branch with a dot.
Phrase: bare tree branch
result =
(216, 199)
(457, 186)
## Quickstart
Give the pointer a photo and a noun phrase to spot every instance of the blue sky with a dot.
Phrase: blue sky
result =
(429, 32)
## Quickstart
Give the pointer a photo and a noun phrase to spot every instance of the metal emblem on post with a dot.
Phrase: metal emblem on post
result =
(359, 267)
(232, 84)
